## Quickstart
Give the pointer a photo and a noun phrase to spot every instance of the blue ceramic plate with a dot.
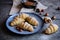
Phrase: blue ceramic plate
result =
(39, 19)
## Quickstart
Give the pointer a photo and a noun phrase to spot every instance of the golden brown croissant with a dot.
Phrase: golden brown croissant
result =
(52, 28)
(25, 26)
(16, 21)
(32, 21)
(23, 15)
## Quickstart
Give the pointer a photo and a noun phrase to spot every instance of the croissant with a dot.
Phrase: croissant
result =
(52, 28)
(25, 26)
(16, 21)
(23, 15)
(32, 21)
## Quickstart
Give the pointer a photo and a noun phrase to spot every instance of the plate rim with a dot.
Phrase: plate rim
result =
(26, 34)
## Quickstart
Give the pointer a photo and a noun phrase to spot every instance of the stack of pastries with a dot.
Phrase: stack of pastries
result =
(24, 22)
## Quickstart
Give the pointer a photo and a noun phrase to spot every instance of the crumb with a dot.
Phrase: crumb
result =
(53, 18)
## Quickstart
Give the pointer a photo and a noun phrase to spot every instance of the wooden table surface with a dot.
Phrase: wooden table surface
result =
(5, 34)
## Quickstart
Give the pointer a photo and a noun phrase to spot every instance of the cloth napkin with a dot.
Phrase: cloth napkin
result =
(16, 10)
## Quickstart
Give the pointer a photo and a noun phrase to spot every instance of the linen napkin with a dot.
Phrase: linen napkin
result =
(16, 10)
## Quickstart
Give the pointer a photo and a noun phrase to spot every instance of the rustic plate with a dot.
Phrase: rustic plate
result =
(39, 28)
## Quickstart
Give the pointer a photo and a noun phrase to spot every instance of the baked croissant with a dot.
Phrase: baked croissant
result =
(32, 21)
(52, 28)
(25, 26)
(23, 15)
(16, 21)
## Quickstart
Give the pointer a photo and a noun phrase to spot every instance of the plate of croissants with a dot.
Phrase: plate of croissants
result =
(25, 23)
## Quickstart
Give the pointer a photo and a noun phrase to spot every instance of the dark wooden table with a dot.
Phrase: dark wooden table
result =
(5, 34)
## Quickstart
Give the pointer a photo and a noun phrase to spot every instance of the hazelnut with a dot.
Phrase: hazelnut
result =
(47, 20)
(41, 10)
(53, 18)
(20, 30)
(58, 8)
(37, 10)
(17, 28)
(46, 14)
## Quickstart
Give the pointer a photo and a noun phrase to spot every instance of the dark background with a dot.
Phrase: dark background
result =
(5, 34)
